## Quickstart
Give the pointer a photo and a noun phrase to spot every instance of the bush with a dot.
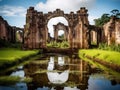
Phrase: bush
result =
(112, 47)
(4, 43)
(63, 44)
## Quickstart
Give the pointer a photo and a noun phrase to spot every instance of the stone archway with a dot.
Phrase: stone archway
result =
(18, 33)
(95, 34)
(61, 26)
(36, 31)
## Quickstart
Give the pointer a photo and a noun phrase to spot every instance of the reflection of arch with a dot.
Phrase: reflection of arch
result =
(61, 26)
(78, 73)
(58, 78)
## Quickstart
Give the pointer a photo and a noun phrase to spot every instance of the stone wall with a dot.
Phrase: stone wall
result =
(7, 33)
(112, 31)
(36, 31)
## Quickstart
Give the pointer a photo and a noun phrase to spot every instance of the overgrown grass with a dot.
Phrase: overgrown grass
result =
(106, 70)
(108, 56)
(112, 47)
(63, 44)
(4, 43)
(11, 55)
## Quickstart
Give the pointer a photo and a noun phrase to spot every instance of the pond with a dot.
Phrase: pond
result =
(61, 72)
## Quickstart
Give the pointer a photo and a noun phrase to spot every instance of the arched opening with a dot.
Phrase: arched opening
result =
(57, 32)
(93, 38)
(54, 21)
(61, 35)
(19, 36)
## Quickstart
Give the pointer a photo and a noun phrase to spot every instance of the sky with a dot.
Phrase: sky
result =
(14, 11)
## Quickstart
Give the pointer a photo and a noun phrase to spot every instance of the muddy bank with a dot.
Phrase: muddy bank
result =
(107, 64)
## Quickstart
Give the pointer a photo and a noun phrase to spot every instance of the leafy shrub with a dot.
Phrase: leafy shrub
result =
(4, 43)
(112, 47)
(63, 44)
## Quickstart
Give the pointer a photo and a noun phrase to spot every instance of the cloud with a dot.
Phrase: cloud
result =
(66, 5)
(12, 11)
(55, 21)
(91, 19)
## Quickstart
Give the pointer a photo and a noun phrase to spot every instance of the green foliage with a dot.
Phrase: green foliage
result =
(115, 12)
(106, 17)
(108, 56)
(55, 44)
(112, 47)
(11, 55)
(102, 20)
(9, 79)
(4, 43)
(61, 37)
(97, 65)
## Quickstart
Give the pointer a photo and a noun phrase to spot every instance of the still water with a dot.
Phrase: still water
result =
(62, 72)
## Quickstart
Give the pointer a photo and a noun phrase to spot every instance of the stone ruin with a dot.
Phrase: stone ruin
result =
(112, 31)
(79, 33)
(36, 31)
(61, 26)
(7, 32)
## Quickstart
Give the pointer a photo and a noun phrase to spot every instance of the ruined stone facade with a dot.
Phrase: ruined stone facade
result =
(36, 31)
(58, 27)
(95, 35)
(112, 31)
(7, 33)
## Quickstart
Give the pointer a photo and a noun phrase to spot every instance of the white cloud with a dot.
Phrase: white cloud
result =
(12, 10)
(54, 21)
(91, 19)
(66, 5)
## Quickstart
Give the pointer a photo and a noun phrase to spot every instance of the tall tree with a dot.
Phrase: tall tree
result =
(102, 20)
(115, 12)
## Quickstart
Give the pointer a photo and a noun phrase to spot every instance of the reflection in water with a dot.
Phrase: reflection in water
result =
(61, 61)
(70, 88)
(56, 77)
(51, 64)
(59, 72)
(18, 73)
(62, 73)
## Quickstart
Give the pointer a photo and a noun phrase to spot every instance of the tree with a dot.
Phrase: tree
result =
(116, 13)
(106, 17)
(102, 20)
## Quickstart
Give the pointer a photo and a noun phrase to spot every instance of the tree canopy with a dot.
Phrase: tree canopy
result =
(106, 17)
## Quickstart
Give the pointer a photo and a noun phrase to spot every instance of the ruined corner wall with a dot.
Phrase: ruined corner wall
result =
(80, 39)
(34, 30)
(6, 31)
(112, 31)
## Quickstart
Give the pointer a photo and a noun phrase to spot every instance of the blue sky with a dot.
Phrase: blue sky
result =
(14, 10)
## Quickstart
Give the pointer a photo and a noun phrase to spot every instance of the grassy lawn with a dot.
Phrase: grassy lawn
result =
(108, 56)
(11, 55)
